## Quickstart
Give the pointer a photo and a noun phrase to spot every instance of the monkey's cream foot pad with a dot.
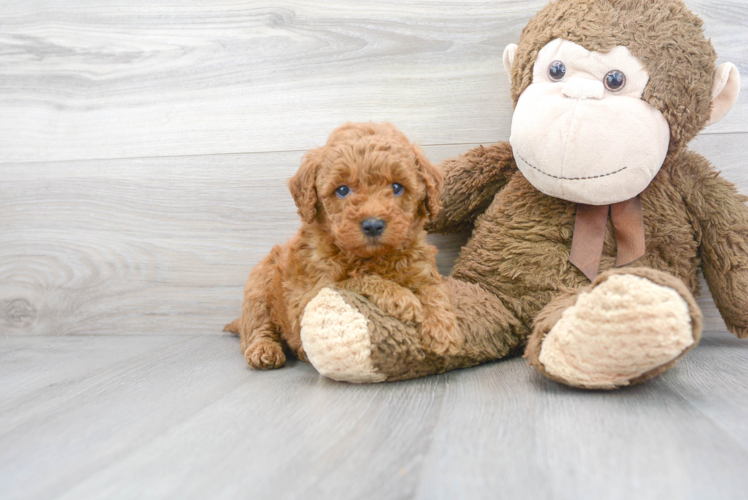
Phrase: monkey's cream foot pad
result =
(622, 329)
(336, 339)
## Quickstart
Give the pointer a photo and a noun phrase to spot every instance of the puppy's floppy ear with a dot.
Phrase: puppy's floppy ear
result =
(434, 180)
(302, 185)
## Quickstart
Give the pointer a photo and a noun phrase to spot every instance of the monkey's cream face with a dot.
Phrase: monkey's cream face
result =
(581, 131)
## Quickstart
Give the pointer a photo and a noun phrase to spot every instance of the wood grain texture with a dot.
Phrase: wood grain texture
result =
(714, 381)
(156, 245)
(164, 245)
(144, 148)
(543, 440)
(86, 80)
(53, 437)
(189, 420)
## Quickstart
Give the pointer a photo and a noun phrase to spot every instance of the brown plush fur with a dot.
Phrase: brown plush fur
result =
(395, 270)
(398, 353)
(515, 272)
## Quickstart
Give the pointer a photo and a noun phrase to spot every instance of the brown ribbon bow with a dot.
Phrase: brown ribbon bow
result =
(589, 234)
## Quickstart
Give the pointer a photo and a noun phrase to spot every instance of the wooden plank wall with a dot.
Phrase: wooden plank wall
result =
(144, 146)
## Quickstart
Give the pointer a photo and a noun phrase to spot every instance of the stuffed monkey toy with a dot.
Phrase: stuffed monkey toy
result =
(590, 226)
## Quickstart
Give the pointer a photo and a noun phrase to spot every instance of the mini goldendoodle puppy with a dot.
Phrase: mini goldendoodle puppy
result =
(363, 199)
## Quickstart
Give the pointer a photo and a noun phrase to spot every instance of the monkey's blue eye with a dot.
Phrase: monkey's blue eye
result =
(615, 80)
(557, 71)
(397, 189)
(343, 191)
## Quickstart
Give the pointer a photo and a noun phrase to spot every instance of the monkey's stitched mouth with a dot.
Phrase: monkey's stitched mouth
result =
(568, 178)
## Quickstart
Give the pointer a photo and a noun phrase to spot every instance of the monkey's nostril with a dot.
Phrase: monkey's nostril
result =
(372, 227)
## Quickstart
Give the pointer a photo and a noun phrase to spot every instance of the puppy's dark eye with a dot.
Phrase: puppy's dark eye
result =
(397, 189)
(343, 191)
(615, 80)
(557, 71)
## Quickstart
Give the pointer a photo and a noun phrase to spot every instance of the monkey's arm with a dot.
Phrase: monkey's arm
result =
(470, 183)
(721, 217)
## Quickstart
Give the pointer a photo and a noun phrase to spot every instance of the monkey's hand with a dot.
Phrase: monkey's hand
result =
(730, 292)
(722, 216)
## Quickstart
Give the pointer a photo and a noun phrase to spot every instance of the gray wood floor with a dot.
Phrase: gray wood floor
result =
(144, 148)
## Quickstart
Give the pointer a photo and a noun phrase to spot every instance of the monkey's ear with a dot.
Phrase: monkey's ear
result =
(434, 180)
(302, 185)
(725, 90)
(509, 53)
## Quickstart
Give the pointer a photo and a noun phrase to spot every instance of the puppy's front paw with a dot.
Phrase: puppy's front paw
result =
(403, 305)
(264, 354)
(440, 334)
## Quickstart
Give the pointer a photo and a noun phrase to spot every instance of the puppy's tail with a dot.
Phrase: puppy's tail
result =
(232, 327)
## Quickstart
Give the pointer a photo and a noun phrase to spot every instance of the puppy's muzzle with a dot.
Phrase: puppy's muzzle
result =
(373, 227)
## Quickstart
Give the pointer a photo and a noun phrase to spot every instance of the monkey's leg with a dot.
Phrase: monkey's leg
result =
(348, 338)
(628, 326)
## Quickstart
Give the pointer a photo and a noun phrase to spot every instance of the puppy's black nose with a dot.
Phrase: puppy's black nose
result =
(372, 227)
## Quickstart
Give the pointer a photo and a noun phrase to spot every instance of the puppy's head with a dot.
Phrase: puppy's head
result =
(369, 186)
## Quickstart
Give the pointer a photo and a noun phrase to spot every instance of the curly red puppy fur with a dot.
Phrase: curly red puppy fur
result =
(363, 199)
